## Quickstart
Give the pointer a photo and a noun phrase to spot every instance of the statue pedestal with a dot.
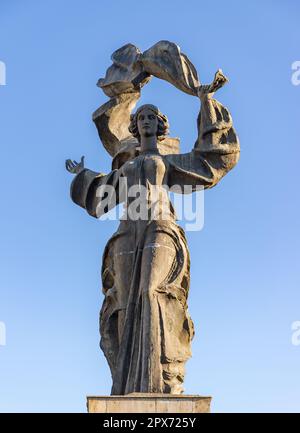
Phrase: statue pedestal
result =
(148, 403)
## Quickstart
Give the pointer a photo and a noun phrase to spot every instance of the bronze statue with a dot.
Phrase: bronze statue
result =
(145, 327)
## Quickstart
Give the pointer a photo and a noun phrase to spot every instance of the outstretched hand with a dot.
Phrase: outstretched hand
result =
(75, 167)
(209, 89)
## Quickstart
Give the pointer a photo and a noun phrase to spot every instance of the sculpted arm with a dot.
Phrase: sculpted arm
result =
(216, 150)
(95, 192)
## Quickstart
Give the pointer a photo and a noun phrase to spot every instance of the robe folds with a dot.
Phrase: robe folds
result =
(146, 330)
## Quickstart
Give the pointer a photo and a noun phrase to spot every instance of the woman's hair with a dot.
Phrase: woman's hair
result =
(163, 124)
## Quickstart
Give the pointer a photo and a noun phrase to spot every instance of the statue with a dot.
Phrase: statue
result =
(145, 327)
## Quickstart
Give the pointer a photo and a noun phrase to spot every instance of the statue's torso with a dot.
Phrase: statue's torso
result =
(145, 167)
(146, 177)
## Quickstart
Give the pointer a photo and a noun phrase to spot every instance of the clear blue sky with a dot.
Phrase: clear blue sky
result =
(245, 276)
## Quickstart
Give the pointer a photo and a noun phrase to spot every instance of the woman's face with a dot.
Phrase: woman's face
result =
(147, 123)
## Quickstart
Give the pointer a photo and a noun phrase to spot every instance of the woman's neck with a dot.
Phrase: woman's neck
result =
(149, 144)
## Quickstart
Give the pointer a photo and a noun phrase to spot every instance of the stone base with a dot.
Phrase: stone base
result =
(144, 403)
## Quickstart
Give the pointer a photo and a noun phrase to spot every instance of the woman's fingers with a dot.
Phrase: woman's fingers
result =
(70, 165)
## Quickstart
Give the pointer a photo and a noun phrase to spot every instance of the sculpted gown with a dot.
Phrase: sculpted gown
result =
(145, 327)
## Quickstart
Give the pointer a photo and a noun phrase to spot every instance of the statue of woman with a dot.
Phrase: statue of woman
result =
(145, 327)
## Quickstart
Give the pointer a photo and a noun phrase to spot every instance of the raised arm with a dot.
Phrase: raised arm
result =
(216, 150)
(122, 84)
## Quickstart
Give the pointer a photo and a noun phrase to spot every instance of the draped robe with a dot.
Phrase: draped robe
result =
(145, 327)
